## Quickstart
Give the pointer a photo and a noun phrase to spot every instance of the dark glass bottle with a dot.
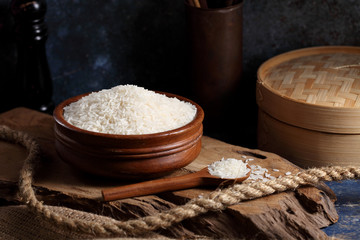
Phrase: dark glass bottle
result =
(33, 78)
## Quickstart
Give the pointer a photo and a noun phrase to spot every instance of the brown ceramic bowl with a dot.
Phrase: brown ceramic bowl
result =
(127, 156)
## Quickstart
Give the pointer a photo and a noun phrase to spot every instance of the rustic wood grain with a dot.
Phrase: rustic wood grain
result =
(291, 215)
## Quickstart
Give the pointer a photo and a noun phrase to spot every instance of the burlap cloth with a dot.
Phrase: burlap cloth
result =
(20, 223)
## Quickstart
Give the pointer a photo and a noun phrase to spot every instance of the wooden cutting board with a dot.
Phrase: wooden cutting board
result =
(291, 215)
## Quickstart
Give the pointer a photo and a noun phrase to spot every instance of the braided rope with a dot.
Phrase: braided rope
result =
(215, 201)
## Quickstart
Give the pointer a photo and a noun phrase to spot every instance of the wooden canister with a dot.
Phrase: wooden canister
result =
(214, 60)
(309, 106)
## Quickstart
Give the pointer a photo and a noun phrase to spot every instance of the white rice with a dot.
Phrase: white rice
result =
(129, 110)
(229, 168)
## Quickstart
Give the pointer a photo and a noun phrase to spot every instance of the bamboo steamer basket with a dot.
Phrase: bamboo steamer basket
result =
(309, 106)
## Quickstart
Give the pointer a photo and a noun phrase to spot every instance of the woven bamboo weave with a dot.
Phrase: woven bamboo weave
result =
(327, 79)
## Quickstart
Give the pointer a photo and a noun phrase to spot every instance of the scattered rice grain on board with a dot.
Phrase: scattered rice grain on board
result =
(259, 173)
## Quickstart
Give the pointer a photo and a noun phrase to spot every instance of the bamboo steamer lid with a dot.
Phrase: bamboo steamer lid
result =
(314, 88)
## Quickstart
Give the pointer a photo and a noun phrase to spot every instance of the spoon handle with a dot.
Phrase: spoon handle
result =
(153, 186)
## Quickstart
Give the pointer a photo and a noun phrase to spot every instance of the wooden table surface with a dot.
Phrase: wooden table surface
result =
(302, 214)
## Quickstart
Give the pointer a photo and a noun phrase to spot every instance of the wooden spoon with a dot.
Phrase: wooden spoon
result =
(200, 178)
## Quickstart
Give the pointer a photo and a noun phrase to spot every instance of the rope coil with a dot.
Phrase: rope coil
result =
(215, 201)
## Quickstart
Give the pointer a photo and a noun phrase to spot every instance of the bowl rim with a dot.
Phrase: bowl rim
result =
(59, 119)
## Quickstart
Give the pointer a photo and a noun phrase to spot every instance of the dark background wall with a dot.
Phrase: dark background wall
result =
(99, 44)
